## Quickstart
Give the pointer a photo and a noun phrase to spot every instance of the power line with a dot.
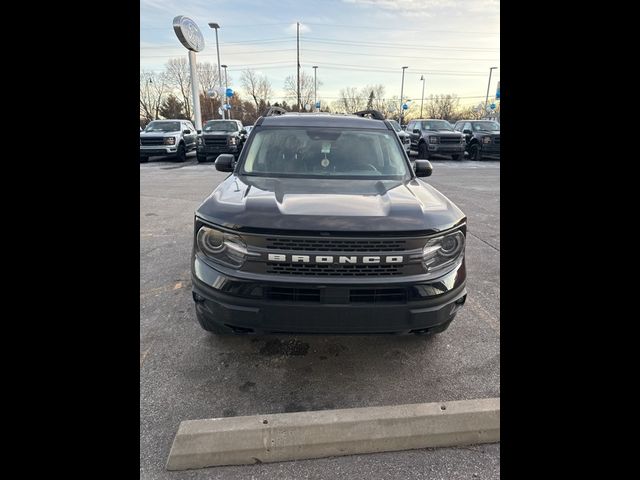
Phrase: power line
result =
(399, 56)
(369, 27)
(396, 45)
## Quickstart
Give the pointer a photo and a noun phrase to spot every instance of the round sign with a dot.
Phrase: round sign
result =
(317, 104)
(493, 106)
(188, 33)
(212, 93)
(405, 106)
(229, 92)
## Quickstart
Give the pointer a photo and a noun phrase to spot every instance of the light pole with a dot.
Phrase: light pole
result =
(215, 26)
(486, 100)
(226, 86)
(422, 102)
(315, 87)
(401, 95)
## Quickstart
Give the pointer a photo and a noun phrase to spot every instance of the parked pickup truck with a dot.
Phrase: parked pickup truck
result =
(482, 138)
(220, 136)
(167, 137)
(430, 137)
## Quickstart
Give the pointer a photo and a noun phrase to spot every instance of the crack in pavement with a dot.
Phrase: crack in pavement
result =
(484, 241)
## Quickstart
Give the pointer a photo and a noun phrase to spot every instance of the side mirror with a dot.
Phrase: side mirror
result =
(467, 132)
(423, 168)
(187, 132)
(243, 132)
(416, 130)
(198, 132)
(225, 162)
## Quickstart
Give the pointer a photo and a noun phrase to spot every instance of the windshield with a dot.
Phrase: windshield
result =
(325, 152)
(220, 126)
(163, 127)
(436, 125)
(395, 125)
(491, 126)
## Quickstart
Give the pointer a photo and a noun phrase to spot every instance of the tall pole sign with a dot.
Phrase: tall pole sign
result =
(191, 37)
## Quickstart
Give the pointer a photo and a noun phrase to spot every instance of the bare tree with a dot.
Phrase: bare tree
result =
(179, 78)
(153, 90)
(208, 77)
(257, 86)
(306, 89)
(442, 106)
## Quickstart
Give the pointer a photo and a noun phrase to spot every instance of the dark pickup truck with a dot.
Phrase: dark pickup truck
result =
(324, 226)
(220, 136)
(435, 137)
(482, 138)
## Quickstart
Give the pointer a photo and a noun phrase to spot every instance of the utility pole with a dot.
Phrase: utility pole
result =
(215, 26)
(422, 102)
(315, 87)
(298, 50)
(226, 86)
(401, 95)
(486, 100)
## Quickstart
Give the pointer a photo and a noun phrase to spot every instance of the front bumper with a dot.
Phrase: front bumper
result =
(446, 149)
(264, 307)
(203, 150)
(158, 150)
(490, 149)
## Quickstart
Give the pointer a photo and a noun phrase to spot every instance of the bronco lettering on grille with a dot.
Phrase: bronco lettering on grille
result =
(279, 257)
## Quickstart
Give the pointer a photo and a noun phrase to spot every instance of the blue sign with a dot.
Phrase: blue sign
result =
(229, 92)
(498, 92)
(317, 104)
(226, 106)
(405, 106)
(493, 106)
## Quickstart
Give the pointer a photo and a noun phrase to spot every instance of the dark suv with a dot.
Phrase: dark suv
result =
(324, 226)
(220, 136)
(429, 137)
(482, 138)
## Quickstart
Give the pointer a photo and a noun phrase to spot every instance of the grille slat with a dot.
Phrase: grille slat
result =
(215, 141)
(152, 141)
(313, 295)
(321, 245)
(339, 270)
(449, 140)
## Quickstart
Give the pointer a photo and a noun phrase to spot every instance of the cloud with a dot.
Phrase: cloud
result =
(404, 5)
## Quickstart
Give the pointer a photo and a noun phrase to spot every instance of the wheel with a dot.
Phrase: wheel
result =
(201, 158)
(475, 153)
(144, 159)
(423, 152)
(210, 326)
(456, 157)
(181, 155)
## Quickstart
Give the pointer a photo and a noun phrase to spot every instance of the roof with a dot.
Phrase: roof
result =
(322, 120)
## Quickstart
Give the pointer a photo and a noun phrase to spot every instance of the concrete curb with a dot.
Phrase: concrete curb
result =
(326, 433)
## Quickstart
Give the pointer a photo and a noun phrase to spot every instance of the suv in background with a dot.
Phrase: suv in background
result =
(325, 226)
(482, 138)
(167, 137)
(431, 137)
(220, 136)
(404, 136)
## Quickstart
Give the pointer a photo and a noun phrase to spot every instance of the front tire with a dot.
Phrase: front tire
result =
(144, 159)
(423, 152)
(181, 155)
(456, 157)
(475, 152)
(201, 158)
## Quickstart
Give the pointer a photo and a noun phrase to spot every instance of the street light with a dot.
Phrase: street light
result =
(215, 26)
(422, 102)
(401, 95)
(486, 100)
(315, 87)
(226, 86)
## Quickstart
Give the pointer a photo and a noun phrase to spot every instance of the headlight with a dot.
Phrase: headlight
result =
(221, 247)
(462, 139)
(434, 140)
(441, 252)
(486, 139)
(199, 141)
(169, 140)
(233, 141)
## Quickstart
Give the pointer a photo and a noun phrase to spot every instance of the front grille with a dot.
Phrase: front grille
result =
(328, 245)
(334, 270)
(152, 141)
(378, 295)
(449, 139)
(292, 294)
(215, 140)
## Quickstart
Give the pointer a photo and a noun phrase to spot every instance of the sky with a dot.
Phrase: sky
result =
(354, 43)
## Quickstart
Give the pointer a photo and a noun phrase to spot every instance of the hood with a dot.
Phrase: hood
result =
(443, 133)
(219, 134)
(159, 134)
(331, 205)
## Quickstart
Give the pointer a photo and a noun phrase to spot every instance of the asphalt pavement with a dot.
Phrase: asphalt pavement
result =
(187, 374)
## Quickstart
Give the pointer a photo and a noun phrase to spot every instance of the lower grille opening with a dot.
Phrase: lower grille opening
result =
(318, 269)
(378, 295)
(292, 294)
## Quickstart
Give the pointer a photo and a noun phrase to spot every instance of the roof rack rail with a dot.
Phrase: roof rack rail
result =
(274, 111)
(375, 114)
